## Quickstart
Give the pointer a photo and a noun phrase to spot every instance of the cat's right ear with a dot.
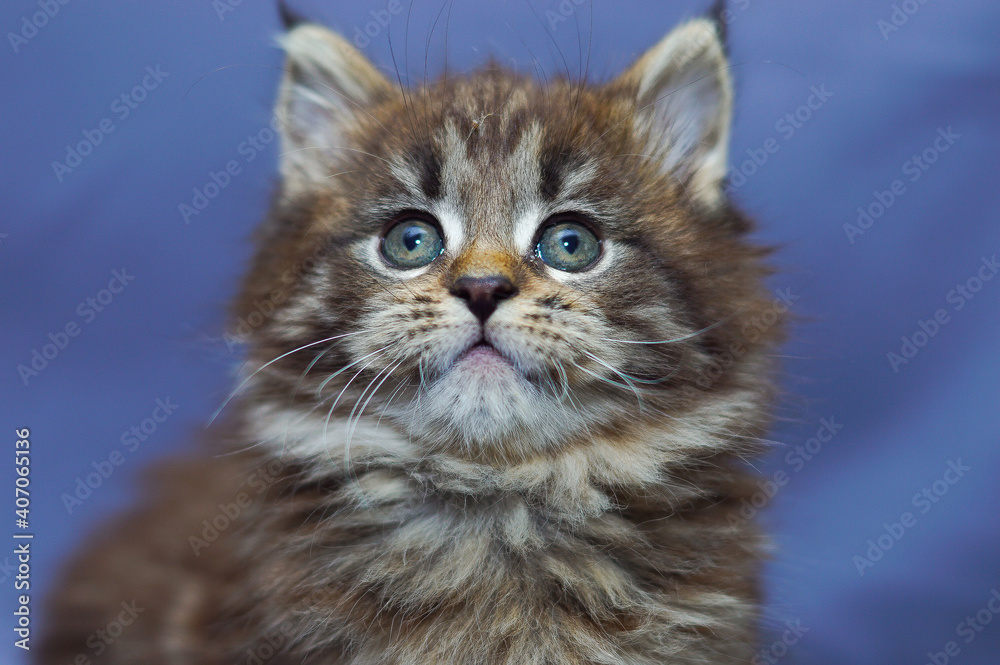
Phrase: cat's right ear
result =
(327, 84)
(684, 104)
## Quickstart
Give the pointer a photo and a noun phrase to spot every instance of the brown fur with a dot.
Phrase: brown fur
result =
(419, 539)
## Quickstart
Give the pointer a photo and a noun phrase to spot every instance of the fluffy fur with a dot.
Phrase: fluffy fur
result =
(382, 499)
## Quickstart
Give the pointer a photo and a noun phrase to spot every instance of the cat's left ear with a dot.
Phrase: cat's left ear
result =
(327, 85)
(684, 98)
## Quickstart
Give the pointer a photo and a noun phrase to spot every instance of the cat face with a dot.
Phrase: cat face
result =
(492, 266)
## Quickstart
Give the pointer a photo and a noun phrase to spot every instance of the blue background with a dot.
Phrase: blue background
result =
(892, 92)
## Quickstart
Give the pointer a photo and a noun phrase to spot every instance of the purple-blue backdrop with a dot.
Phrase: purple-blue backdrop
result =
(878, 92)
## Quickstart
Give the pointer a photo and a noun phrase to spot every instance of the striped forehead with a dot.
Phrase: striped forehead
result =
(491, 182)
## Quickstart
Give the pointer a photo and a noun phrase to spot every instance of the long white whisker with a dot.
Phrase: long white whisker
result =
(329, 414)
(298, 385)
(399, 388)
(271, 362)
(319, 390)
(597, 376)
(353, 427)
(674, 340)
(335, 147)
(623, 377)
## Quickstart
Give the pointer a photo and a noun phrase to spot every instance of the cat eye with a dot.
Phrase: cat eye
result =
(568, 246)
(412, 243)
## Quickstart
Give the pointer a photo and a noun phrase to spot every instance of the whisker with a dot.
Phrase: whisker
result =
(336, 147)
(599, 377)
(298, 384)
(334, 175)
(319, 390)
(645, 382)
(350, 416)
(271, 362)
(329, 414)
(402, 385)
(576, 407)
(676, 339)
(352, 428)
(623, 377)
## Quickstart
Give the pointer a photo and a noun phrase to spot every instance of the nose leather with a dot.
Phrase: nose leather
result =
(483, 294)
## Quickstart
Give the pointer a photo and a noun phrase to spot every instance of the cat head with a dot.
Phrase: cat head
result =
(494, 266)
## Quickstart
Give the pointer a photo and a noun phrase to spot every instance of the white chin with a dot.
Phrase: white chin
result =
(483, 399)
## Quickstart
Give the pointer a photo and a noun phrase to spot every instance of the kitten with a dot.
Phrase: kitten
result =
(499, 391)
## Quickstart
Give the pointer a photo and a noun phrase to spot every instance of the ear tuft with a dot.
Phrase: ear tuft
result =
(289, 17)
(327, 83)
(717, 14)
(684, 102)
